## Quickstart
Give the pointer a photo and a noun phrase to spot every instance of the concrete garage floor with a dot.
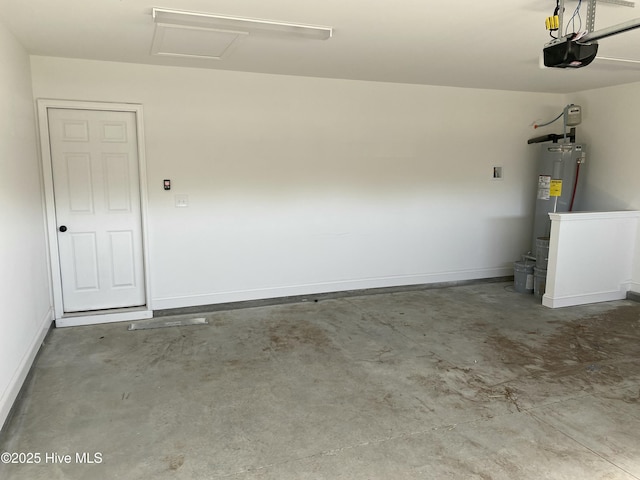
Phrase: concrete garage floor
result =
(470, 382)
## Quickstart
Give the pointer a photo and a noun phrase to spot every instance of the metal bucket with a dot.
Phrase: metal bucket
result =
(523, 276)
(542, 252)
(539, 281)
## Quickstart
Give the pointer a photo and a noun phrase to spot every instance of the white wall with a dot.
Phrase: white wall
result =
(612, 174)
(24, 285)
(299, 185)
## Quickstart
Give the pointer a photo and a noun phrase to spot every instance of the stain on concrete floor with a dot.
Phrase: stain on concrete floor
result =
(287, 335)
(596, 348)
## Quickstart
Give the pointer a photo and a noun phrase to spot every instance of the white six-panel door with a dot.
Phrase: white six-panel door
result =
(97, 206)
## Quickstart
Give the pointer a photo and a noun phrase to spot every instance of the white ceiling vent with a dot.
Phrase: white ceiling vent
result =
(204, 35)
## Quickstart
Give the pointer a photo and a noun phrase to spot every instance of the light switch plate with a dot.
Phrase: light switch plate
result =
(182, 201)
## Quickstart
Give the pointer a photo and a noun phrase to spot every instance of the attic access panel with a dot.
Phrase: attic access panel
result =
(194, 42)
(209, 36)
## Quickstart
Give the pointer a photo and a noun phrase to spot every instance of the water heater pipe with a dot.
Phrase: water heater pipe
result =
(575, 186)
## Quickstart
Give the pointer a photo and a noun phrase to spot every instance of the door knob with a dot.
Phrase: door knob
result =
(62, 228)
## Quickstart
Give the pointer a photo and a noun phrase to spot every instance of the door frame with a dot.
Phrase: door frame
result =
(99, 316)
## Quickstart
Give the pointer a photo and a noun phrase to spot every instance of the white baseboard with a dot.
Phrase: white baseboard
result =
(13, 389)
(163, 303)
(583, 299)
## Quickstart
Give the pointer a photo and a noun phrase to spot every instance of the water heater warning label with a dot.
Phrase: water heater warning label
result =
(544, 187)
(555, 190)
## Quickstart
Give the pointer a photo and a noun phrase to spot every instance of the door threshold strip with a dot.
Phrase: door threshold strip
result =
(158, 323)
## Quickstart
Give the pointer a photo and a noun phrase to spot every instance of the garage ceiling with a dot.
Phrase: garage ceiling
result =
(492, 44)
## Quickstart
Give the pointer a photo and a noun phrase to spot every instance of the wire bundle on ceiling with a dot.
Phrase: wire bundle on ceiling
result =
(553, 23)
(572, 20)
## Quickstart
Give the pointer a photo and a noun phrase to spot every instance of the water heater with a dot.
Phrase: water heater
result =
(558, 169)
